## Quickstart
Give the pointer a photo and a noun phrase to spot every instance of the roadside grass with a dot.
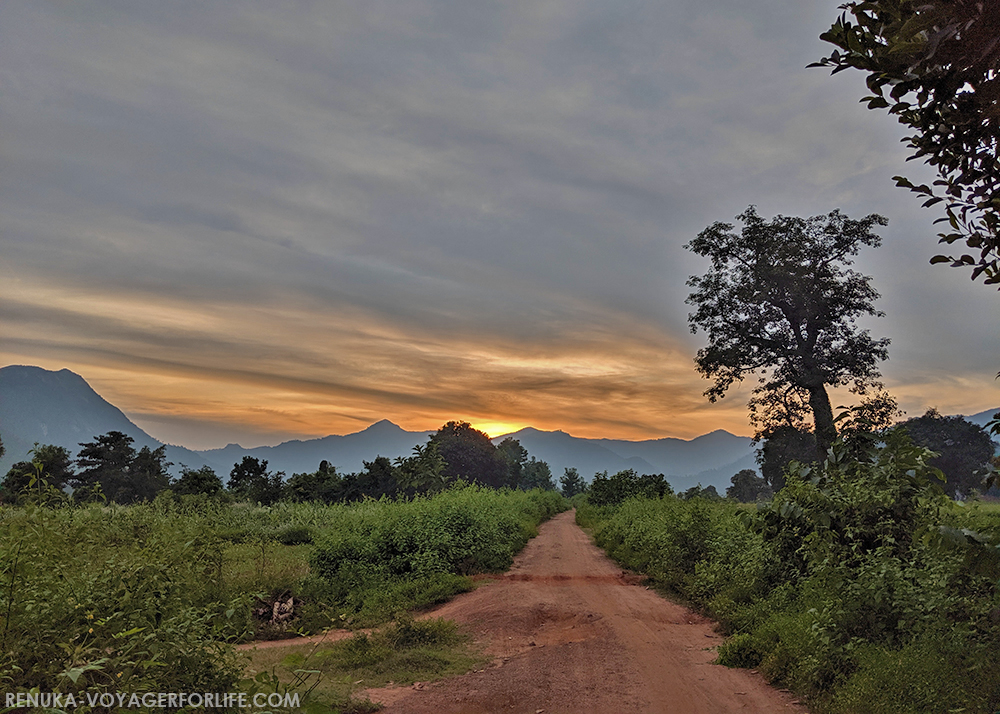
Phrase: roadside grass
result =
(264, 566)
(151, 597)
(861, 586)
(331, 675)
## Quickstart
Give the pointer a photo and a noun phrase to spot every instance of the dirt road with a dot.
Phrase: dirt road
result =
(570, 632)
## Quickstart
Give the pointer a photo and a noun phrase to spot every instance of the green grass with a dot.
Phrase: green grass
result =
(333, 675)
(149, 597)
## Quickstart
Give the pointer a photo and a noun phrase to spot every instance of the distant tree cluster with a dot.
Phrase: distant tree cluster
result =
(748, 487)
(571, 483)
(964, 449)
(109, 468)
(607, 490)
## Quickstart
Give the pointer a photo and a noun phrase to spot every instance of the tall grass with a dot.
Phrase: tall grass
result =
(400, 555)
(145, 597)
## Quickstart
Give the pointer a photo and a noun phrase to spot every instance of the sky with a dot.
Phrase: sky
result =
(253, 221)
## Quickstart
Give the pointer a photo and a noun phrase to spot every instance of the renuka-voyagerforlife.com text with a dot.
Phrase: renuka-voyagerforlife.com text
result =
(152, 700)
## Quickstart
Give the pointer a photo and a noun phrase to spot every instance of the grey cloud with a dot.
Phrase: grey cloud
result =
(508, 173)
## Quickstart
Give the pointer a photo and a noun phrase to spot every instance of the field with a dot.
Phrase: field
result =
(152, 597)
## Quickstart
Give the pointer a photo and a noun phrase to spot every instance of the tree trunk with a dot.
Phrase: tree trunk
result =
(826, 430)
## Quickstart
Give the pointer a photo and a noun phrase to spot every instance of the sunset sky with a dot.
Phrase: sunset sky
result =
(252, 221)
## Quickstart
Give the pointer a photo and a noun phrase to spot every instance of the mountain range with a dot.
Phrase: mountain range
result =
(59, 407)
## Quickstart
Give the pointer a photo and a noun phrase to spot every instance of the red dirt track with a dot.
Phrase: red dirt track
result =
(571, 633)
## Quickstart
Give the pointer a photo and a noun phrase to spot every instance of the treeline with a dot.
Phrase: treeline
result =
(110, 468)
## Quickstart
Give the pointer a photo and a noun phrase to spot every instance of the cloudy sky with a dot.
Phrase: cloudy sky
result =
(248, 221)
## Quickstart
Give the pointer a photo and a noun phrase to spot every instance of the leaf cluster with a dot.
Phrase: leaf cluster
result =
(607, 490)
(935, 65)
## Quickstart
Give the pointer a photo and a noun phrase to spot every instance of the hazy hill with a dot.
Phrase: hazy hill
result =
(38, 405)
(709, 459)
(982, 417)
(347, 453)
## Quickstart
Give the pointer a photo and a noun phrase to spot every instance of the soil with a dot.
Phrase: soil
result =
(570, 632)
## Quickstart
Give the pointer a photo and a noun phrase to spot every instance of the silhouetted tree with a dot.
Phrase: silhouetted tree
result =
(964, 449)
(779, 302)
(122, 475)
(571, 483)
(782, 446)
(53, 462)
(748, 487)
(192, 481)
(250, 479)
(607, 490)
(469, 454)
(515, 456)
(536, 474)
(708, 493)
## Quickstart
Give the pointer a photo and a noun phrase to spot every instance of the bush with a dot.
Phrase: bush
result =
(413, 553)
(859, 585)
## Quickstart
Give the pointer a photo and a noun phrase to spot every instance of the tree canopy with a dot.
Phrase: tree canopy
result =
(748, 487)
(250, 479)
(935, 65)
(111, 463)
(571, 483)
(964, 449)
(52, 463)
(780, 302)
(195, 481)
(470, 455)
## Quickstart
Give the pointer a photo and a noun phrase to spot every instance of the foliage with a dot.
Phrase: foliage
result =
(195, 481)
(605, 490)
(515, 456)
(860, 585)
(424, 471)
(536, 474)
(571, 483)
(748, 487)
(707, 493)
(394, 554)
(54, 463)
(782, 446)
(112, 599)
(779, 301)
(964, 449)
(111, 468)
(251, 480)
(469, 455)
(144, 597)
(934, 65)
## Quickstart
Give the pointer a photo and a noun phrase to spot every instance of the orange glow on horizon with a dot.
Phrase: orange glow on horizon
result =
(497, 428)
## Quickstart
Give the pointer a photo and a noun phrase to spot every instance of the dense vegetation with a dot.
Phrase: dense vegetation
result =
(145, 597)
(860, 585)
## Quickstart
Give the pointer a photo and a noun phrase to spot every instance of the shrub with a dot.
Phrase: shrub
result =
(860, 584)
